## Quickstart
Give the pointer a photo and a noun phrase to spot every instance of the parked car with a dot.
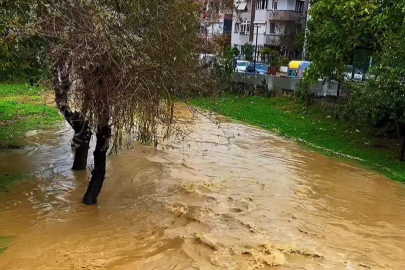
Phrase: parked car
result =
(297, 68)
(358, 75)
(261, 68)
(241, 65)
(251, 70)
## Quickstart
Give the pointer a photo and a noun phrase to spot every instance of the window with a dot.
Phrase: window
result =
(275, 4)
(245, 27)
(237, 27)
(261, 4)
(272, 28)
(260, 28)
(299, 5)
(227, 25)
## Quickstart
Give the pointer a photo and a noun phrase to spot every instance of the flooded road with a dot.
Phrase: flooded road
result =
(227, 197)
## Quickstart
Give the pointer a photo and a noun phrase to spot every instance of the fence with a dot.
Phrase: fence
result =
(285, 84)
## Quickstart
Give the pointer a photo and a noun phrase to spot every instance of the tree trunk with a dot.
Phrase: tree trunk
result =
(401, 158)
(81, 153)
(77, 120)
(100, 158)
(337, 101)
(81, 141)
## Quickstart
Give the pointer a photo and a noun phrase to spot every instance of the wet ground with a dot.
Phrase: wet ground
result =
(226, 197)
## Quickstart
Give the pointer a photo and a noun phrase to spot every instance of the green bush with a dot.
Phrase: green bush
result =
(303, 94)
(247, 51)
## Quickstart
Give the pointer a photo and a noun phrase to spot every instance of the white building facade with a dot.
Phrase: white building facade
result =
(276, 24)
(222, 26)
(216, 19)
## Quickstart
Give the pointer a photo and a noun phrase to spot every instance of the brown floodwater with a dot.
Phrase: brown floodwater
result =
(225, 196)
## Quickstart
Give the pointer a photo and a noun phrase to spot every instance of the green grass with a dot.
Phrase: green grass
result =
(19, 89)
(5, 242)
(9, 181)
(317, 129)
(23, 108)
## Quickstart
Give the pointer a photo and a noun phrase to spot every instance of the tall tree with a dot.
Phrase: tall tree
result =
(123, 62)
(24, 57)
(339, 30)
(19, 59)
(382, 97)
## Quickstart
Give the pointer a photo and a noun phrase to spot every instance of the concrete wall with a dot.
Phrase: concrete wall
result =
(285, 84)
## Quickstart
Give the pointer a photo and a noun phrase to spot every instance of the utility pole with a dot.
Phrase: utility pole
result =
(257, 35)
(252, 20)
(206, 39)
(206, 15)
(304, 50)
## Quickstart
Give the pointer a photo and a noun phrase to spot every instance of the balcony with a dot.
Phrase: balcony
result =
(271, 40)
(240, 38)
(284, 15)
(268, 39)
(274, 15)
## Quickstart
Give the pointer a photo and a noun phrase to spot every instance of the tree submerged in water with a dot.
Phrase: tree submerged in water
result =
(117, 68)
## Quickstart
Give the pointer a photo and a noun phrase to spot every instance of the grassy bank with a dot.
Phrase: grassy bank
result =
(23, 108)
(316, 128)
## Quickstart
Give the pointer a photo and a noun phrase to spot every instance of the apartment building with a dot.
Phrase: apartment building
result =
(276, 24)
(222, 26)
(216, 18)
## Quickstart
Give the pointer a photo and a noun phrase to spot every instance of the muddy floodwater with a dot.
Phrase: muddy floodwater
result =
(226, 197)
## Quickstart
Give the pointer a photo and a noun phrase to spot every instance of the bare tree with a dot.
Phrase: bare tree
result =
(118, 67)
